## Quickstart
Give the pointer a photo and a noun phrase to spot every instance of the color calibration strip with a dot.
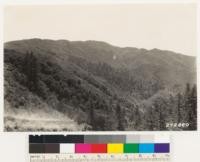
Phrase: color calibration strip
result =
(101, 144)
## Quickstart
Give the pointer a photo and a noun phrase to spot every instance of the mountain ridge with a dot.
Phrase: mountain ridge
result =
(96, 53)
(98, 42)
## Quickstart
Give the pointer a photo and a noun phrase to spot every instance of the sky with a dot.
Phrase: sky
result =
(163, 26)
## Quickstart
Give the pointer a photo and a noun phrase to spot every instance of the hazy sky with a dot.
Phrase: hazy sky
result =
(163, 26)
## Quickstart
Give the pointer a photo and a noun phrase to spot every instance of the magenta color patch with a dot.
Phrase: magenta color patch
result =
(83, 148)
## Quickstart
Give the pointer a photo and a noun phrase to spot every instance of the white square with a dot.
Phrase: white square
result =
(67, 148)
(162, 138)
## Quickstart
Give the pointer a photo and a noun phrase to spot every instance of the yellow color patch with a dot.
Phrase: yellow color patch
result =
(115, 148)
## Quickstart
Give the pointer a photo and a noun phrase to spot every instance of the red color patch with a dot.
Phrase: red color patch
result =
(99, 148)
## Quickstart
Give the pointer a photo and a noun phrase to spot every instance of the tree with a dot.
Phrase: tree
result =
(110, 123)
(137, 118)
(150, 119)
(192, 113)
(160, 112)
(162, 123)
(190, 107)
(179, 107)
(31, 70)
(186, 102)
(120, 115)
(34, 72)
(92, 119)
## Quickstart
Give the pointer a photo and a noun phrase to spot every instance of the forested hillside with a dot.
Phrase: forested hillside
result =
(62, 85)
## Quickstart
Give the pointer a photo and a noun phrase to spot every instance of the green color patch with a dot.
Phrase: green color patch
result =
(131, 148)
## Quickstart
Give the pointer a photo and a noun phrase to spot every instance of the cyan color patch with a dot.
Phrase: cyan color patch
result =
(146, 148)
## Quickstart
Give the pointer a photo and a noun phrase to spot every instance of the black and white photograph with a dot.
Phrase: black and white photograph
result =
(105, 67)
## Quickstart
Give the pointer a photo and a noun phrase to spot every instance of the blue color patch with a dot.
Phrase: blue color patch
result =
(146, 148)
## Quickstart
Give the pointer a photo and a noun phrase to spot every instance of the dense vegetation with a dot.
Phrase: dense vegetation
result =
(102, 92)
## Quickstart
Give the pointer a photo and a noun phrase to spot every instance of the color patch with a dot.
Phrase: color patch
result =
(63, 139)
(36, 148)
(146, 148)
(36, 139)
(131, 148)
(161, 148)
(90, 139)
(163, 138)
(104, 139)
(146, 139)
(118, 139)
(82, 148)
(52, 148)
(115, 148)
(67, 148)
(132, 139)
(99, 148)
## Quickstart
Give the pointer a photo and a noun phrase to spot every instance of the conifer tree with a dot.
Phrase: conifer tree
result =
(192, 114)
(179, 117)
(92, 118)
(150, 119)
(120, 115)
(31, 71)
(137, 118)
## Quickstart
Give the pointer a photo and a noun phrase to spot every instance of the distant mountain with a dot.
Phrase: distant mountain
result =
(165, 63)
(84, 79)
